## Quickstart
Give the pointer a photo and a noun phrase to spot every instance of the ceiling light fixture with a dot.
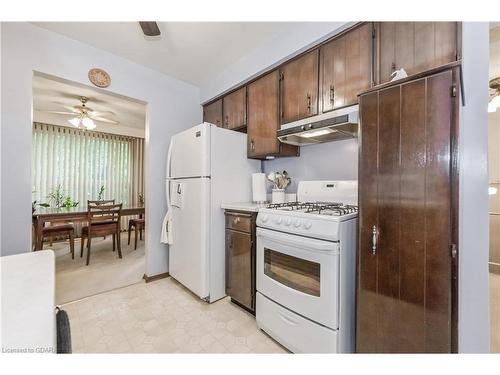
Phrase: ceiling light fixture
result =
(494, 103)
(83, 118)
(75, 121)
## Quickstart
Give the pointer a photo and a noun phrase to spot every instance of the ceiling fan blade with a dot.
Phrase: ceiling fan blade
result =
(68, 107)
(59, 112)
(101, 113)
(150, 28)
(102, 119)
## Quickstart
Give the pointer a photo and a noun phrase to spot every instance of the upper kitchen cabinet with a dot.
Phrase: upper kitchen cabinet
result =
(346, 67)
(299, 87)
(234, 109)
(263, 119)
(415, 46)
(212, 113)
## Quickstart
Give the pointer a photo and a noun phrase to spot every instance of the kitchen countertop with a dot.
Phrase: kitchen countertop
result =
(28, 302)
(244, 206)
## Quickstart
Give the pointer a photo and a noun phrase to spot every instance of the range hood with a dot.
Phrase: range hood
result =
(330, 126)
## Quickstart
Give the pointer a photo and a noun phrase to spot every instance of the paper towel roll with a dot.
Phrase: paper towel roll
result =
(259, 187)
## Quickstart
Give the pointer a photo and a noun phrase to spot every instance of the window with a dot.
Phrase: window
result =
(296, 273)
(83, 161)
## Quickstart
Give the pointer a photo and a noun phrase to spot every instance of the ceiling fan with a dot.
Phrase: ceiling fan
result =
(494, 103)
(150, 28)
(84, 116)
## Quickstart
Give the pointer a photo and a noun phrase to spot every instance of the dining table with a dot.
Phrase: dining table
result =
(43, 215)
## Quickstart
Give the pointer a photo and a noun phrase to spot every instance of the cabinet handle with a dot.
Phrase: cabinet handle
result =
(332, 93)
(228, 263)
(281, 77)
(374, 239)
(252, 145)
(309, 103)
(227, 121)
(236, 220)
(393, 67)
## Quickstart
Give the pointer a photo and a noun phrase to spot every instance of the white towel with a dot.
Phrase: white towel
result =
(166, 230)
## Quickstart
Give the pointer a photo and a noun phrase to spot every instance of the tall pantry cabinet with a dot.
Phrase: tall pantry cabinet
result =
(407, 258)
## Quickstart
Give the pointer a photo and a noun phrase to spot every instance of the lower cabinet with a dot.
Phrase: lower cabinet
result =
(240, 258)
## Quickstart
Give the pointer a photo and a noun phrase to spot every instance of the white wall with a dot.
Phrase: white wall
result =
(284, 45)
(473, 216)
(172, 106)
(326, 161)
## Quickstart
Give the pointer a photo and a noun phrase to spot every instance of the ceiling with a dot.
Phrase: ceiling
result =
(52, 94)
(189, 51)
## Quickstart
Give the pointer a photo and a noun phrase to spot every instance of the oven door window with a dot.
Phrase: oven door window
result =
(296, 273)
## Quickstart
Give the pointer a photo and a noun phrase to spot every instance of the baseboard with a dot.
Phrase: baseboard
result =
(148, 279)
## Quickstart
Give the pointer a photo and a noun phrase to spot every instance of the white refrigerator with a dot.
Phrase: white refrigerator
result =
(206, 167)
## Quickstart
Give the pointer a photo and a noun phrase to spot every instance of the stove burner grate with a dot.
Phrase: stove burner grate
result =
(325, 208)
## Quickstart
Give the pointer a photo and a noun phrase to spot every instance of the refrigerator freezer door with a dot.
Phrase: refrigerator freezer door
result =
(190, 153)
(189, 252)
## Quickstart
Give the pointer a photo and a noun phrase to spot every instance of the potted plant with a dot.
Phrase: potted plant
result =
(58, 199)
(100, 193)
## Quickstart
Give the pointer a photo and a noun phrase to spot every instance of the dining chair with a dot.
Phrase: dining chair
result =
(99, 203)
(61, 230)
(138, 225)
(103, 220)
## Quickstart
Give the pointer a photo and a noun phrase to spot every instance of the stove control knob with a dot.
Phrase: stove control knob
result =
(278, 220)
(288, 221)
(297, 223)
(307, 225)
(264, 218)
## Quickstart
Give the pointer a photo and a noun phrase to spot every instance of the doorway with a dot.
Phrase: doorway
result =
(88, 145)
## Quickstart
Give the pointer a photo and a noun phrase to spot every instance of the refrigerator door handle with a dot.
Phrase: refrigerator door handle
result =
(167, 181)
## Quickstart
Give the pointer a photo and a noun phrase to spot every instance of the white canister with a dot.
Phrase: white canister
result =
(278, 196)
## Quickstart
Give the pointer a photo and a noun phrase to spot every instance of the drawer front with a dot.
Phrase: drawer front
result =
(298, 334)
(239, 221)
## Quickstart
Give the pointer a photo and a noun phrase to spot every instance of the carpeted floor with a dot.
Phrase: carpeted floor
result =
(75, 280)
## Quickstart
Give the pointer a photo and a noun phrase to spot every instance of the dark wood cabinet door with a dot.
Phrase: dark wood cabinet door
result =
(359, 70)
(263, 119)
(239, 274)
(404, 298)
(234, 109)
(415, 46)
(299, 87)
(346, 68)
(333, 68)
(263, 116)
(212, 113)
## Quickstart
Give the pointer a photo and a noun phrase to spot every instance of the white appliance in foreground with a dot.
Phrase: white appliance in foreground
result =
(306, 267)
(206, 166)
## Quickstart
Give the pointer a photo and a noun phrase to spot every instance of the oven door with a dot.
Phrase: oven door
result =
(299, 273)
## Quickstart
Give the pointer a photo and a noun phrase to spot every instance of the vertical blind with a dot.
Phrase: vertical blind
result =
(82, 161)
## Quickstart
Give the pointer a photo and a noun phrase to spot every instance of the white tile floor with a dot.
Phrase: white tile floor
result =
(163, 317)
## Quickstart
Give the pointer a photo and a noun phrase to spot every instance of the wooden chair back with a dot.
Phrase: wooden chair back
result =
(100, 203)
(103, 213)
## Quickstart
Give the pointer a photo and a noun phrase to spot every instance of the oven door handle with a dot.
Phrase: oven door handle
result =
(298, 241)
(287, 319)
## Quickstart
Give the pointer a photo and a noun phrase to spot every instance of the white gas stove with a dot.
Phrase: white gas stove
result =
(306, 257)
